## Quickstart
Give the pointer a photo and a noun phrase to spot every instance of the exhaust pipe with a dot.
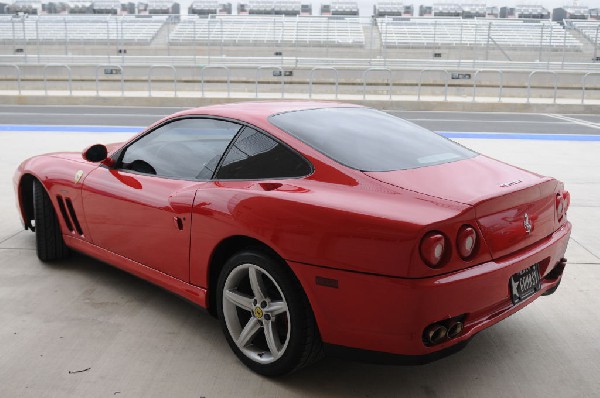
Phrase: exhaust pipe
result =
(436, 334)
(454, 329)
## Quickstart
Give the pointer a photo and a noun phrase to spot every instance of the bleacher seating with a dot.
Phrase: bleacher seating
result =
(587, 28)
(455, 32)
(293, 31)
(84, 29)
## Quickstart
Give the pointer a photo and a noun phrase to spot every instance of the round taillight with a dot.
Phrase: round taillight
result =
(433, 249)
(466, 241)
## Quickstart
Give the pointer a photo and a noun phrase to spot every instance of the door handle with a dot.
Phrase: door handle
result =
(178, 223)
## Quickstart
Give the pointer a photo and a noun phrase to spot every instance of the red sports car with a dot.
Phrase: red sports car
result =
(309, 228)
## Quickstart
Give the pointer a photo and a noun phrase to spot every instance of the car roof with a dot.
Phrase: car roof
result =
(249, 111)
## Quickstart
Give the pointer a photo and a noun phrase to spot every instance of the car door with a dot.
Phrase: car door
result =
(141, 208)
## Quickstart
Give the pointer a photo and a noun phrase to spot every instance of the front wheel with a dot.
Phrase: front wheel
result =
(49, 242)
(265, 316)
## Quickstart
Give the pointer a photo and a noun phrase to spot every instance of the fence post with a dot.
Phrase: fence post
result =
(541, 71)
(216, 67)
(57, 65)
(488, 70)
(18, 72)
(312, 72)
(366, 73)
(583, 82)
(171, 67)
(258, 69)
(433, 70)
(112, 66)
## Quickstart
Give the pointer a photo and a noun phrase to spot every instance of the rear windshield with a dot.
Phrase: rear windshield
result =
(369, 140)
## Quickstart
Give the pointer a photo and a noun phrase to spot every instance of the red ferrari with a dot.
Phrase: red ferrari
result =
(309, 228)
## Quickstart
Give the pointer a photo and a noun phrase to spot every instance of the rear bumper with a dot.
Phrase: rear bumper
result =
(388, 315)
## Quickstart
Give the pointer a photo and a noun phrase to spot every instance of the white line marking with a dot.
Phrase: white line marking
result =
(83, 114)
(485, 121)
(575, 121)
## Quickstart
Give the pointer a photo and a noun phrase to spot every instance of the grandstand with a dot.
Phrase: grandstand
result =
(80, 7)
(392, 9)
(454, 32)
(29, 7)
(447, 10)
(425, 11)
(589, 29)
(112, 7)
(55, 8)
(274, 7)
(262, 30)
(492, 12)
(158, 7)
(570, 12)
(83, 29)
(209, 7)
(343, 8)
(525, 12)
(474, 10)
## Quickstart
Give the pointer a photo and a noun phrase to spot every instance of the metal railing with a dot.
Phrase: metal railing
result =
(304, 81)
(170, 67)
(535, 72)
(69, 71)
(366, 73)
(116, 67)
(447, 74)
(500, 85)
(323, 68)
(583, 84)
(204, 68)
(17, 74)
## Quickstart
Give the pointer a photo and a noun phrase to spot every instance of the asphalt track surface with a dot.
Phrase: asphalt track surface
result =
(80, 328)
(467, 122)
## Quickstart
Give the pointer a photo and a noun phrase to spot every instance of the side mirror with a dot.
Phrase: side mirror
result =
(95, 153)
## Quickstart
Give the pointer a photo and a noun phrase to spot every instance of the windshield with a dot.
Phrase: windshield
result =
(369, 140)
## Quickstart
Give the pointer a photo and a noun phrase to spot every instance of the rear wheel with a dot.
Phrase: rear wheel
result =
(50, 244)
(265, 316)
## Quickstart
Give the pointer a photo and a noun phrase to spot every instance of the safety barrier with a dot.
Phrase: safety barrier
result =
(70, 72)
(434, 70)
(153, 67)
(18, 74)
(583, 84)
(216, 67)
(312, 74)
(500, 73)
(305, 81)
(116, 67)
(535, 72)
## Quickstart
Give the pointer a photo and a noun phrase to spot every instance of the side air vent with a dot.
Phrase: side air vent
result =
(68, 214)
(63, 212)
(73, 216)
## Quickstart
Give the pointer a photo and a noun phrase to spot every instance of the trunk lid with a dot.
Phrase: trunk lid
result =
(514, 208)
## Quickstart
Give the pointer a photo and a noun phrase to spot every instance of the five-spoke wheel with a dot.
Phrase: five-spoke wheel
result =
(265, 315)
(256, 313)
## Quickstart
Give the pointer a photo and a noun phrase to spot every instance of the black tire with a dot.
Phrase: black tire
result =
(303, 344)
(50, 244)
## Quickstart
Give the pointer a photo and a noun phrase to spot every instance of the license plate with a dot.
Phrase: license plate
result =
(525, 283)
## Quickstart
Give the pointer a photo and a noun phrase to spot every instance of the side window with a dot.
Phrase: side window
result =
(188, 148)
(254, 155)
